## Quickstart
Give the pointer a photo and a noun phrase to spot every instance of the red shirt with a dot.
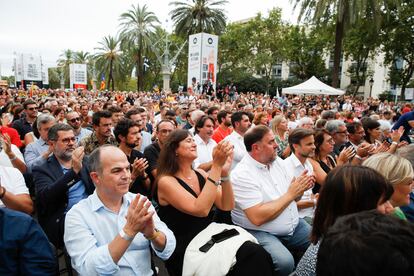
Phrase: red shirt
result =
(13, 134)
(219, 134)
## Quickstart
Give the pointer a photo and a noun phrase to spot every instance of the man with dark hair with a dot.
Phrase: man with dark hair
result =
(117, 114)
(61, 181)
(367, 243)
(74, 120)
(84, 112)
(24, 247)
(213, 113)
(204, 128)
(102, 134)
(25, 124)
(113, 231)
(135, 115)
(152, 152)
(224, 128)
(302, 145)
(128, 135)
(265, 199)
(241, 123)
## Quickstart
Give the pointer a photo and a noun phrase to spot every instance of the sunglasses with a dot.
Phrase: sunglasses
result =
(75, 120)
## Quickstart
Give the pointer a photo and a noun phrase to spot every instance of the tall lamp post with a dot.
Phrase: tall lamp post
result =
(371, 83)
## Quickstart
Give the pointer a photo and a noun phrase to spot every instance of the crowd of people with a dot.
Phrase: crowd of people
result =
(240, 185)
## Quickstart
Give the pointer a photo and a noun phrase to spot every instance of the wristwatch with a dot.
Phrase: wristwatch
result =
(125, 236)
(218, 182)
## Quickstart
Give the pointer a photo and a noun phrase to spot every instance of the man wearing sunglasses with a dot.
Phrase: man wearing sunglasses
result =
(61, 181)
(24, 125)
(75, 121)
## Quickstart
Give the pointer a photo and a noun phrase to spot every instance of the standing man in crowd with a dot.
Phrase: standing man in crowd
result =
(135, 115)
(61, 181)
(102, 134)
(205, 144)
(111, 232)
(24, 125)
(266, 200)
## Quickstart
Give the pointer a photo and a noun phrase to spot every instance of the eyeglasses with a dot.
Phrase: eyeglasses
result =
(75, 120)
(33, 108)
(342, 132)
(68, 139)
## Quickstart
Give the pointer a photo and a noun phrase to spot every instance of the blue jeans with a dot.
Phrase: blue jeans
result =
(279, 246)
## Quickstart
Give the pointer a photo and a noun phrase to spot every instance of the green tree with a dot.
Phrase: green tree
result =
(360, 45)
(398, 44)
(65, 59)
(344, 13)
(306, 48)
(137, 27)
(108, 58)
(198, 16)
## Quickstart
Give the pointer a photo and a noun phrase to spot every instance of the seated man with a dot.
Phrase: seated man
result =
(373, 243)
(112, 230)
(13, 191)
(265, 199)
(61, 181)
(24, 247)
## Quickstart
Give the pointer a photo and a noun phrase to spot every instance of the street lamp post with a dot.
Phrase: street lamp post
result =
(371, 83)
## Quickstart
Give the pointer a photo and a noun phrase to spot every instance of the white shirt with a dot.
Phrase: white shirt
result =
(255, 183)
(5, 160)
(204, 151)
(292, 125)
(295, 168)
(239, 147)
(12, 179)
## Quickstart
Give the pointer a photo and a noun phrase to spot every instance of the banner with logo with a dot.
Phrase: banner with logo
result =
(78, 76)
(202, 61)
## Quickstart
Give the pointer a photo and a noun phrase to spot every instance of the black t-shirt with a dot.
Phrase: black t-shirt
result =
(139, 184)
(151, 153)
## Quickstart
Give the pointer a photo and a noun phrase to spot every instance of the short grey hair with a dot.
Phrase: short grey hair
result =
(44, 119)
(95, 164)
(333, 125)
(304, 121)
(196, 115)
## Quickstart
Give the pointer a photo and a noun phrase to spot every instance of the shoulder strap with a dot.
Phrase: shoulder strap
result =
(185, 186)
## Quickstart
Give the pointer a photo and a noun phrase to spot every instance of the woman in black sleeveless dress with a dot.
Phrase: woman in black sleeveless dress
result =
(186, 197)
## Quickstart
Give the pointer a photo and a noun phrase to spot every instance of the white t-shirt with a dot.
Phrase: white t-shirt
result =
(5, 160)
(239, 148)
(12, 179)
(255, 183)
(294, 168)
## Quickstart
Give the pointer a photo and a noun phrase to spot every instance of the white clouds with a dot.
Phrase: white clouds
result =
(47, 27)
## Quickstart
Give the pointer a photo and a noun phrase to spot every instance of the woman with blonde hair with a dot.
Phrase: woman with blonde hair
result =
(260, 119)
(280, 130)
(399, 172)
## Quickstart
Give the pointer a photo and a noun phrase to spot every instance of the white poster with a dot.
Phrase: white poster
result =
(409, 93)
(45, 76)
(78, 76)
(202, 61)
(31, 68)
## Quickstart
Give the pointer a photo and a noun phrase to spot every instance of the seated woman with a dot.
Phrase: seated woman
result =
(348, 189)
(373, 134)
(186, 197)
(280, 130)
(399, 173)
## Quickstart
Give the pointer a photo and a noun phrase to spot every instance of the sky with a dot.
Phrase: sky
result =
(47, 27)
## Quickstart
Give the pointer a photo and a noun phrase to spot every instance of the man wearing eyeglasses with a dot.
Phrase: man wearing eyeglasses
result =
(24, 125)
(74, 120)
(61, 181)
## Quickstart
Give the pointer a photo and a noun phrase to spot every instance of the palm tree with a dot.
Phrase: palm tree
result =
(81, 57)
(200, 16)
(108, 57)
(137, 27)
(345, 13)
(65, 59)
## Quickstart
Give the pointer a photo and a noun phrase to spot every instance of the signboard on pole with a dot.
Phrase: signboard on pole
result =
(78, 76)
(28, 70)
(409, 93)
(202, 61)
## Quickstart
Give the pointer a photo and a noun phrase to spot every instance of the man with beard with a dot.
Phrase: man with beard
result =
(74, 120)
(224, 129)
(102, 126)
(302, 145)
(61, 181)
(128, 135)
(266, 199)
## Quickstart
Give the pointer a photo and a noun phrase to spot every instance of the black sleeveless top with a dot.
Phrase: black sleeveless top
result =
(184, 226)
(326, 169)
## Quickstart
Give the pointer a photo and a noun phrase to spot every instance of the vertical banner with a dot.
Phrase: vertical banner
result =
(78, 76)
(28, 70)
(202, 61)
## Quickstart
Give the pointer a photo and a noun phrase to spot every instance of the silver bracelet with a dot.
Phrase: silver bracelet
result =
(225, 178)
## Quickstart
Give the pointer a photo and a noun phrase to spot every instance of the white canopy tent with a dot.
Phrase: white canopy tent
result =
(312, 86)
